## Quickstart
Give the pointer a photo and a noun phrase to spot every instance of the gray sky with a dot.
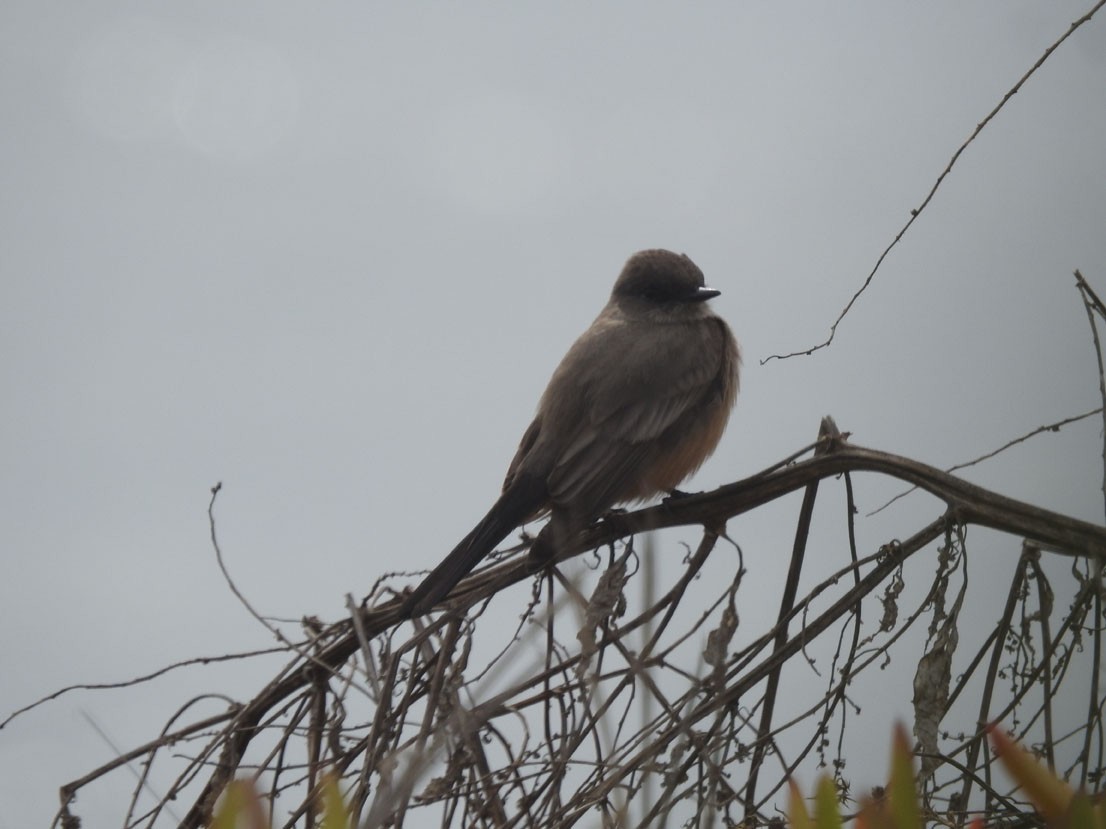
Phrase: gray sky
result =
(328, 255)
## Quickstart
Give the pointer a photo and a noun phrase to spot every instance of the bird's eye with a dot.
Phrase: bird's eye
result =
(655, 294)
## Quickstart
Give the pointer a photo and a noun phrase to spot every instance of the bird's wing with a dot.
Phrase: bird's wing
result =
(627, 417)
(664, 375)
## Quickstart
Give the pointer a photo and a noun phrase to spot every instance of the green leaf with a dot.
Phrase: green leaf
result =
(827, 814)
(335, 813)
(240, 802)
(1082, 814)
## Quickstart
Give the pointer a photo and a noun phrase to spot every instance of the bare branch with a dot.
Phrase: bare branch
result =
(917, 211)
(543, 734)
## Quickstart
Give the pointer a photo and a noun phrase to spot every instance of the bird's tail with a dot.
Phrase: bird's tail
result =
(522, 499)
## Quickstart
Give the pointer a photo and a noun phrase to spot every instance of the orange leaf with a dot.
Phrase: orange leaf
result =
(903, 793)
(1049, 794)
(797, 815)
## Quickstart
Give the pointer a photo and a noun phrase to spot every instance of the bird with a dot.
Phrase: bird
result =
(637, 404)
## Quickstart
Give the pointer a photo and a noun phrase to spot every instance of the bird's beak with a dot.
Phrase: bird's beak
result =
(703, 294)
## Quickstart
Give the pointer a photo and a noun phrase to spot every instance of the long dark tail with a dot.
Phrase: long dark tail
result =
(522, 499)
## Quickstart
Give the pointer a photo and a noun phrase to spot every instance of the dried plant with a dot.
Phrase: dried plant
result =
(609, 705)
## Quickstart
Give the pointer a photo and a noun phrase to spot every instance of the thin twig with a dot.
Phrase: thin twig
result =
(1051, 427)
(1094, 305)
(916, 212)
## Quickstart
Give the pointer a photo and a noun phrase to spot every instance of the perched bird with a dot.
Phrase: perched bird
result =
(637, 404)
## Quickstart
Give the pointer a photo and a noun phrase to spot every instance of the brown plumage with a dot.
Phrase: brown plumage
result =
(637, 404)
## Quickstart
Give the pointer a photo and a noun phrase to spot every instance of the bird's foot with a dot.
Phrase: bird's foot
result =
(542, 551)
(616, 518)
(676, 495)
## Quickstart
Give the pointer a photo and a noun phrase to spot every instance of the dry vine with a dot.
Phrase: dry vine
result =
(663, 713)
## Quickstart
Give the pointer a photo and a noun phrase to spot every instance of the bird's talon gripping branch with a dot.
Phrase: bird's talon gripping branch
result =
(676, 495)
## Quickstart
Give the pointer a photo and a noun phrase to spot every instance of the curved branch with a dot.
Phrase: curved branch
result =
(967, 502)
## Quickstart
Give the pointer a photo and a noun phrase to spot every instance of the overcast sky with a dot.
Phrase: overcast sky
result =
(328, 254)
